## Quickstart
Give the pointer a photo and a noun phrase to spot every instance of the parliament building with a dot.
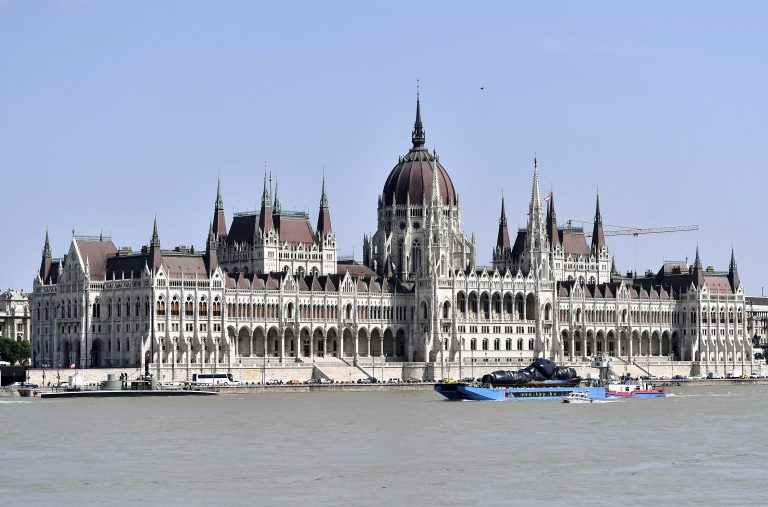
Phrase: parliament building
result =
(271, 290)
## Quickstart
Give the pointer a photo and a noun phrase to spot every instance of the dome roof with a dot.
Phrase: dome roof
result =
(411, 178)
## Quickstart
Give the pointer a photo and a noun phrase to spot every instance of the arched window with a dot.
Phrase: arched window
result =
(217, 308)
(519, 344)
(446, 309)
(424, 311)
(416, 257)
(175, 307)
(509, 344)
(530, 344)
(473, 344)
(189, 309)
(160, 306)
(485, 343)
(496, 344)
(119, 307)
(109, 308)
(202, 307)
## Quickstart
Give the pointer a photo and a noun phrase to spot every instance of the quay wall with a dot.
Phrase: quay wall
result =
(420, 371)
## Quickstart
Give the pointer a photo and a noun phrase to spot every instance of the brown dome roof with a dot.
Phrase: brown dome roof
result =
(411, 178)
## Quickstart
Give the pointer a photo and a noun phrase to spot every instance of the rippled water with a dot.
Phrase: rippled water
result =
(702, 446)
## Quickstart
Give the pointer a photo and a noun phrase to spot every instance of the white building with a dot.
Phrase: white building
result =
(14, 315)
(271, 287)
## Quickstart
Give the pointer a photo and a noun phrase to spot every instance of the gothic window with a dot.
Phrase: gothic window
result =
(446, 309)
(424, 312)
(496, 344)
(189, 309)
(128, 307)
(69, 309)
(519, 344)
(175, 307)
(416, 257)
(530, 344)
(146, 306)
(400, 257)
(137, 307)
(485, 343)
(109, 308)
(160, 306)
(473, 344)
(202, 309)
(217, 308)
(508, 345)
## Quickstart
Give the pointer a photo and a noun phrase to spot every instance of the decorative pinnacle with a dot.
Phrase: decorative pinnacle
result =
(276, 202)
(503, 218)
(155, 236)
(47, 247)
(732, 267)
(265, 201)
(417, 136)
(697, 261)
(323, 196)
(219, 202)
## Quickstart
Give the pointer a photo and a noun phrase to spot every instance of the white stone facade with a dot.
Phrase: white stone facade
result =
(271, 290)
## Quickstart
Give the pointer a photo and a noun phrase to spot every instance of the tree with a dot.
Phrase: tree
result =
(15, 351)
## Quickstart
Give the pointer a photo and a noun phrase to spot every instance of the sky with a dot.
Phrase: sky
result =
(112, 112)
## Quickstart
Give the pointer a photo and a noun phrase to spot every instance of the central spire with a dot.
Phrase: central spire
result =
(417, 136)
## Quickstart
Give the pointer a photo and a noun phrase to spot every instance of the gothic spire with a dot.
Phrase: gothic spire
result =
(324, 214)
(502, 239)
(211, 257)
(436, 197)
(47, 247)
(45, 263)
(155, 241)
(219, 202)
(733, 273)
(553, 233)
(154, 247)
(219, 221)
(276, 201)
(417, 136)
(598, 235)
(698, 273)
(265, 214)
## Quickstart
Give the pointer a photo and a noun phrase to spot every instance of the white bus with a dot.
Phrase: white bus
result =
(214, 379)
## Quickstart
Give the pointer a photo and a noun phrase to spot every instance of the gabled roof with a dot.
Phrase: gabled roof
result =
(95, 252)
(574, 242)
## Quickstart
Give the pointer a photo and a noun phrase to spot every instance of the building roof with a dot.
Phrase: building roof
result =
(293, 227)
(95, 253)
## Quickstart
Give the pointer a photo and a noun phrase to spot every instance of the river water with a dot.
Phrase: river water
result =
(702, 446)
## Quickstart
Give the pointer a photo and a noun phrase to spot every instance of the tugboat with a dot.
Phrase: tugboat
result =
(542, 380)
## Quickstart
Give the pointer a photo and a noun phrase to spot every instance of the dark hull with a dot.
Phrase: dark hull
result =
(123, 394)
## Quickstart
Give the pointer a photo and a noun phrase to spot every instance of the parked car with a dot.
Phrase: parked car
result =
(294, 382)
(324, 381)
(679, 377)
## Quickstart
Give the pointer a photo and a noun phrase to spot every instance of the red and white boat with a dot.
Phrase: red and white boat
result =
(633, 391)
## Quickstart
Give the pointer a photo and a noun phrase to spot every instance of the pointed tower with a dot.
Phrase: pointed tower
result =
(733, 273)
(211, 257)
(45, 264)
(598, 236)
(536, 247)
(219, 222)
(265, 214)
(553, 233)
(698, 273)
(502, 238)
(324, 214)
(418, 135)
(155, 254)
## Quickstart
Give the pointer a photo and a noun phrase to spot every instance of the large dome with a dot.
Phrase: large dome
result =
(411, 178)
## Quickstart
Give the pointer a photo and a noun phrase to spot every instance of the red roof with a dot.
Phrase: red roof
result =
(96, 252)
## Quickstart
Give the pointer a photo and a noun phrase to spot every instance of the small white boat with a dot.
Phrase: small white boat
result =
(577, 397)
